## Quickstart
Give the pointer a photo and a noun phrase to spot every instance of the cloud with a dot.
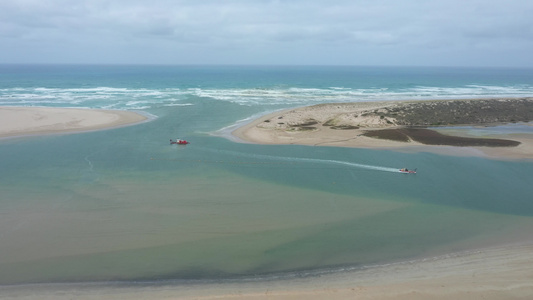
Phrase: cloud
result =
(365, 28)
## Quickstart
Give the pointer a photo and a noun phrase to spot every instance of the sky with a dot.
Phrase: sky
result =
(486, 33)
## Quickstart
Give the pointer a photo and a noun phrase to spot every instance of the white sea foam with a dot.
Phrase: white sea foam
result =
(136, 98)
(178, 104)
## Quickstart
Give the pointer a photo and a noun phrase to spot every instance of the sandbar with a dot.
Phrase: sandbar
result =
(345, 125)
(492, 273)
(28, 121)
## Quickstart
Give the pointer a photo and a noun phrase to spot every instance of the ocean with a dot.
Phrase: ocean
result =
(122, 205)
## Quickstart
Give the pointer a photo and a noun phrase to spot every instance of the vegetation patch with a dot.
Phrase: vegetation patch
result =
(344, 127)
(456, 112)
(303, 128)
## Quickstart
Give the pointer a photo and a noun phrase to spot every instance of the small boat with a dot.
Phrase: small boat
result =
(179, 142)
(407, 171)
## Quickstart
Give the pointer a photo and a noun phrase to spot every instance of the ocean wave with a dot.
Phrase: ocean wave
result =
(178, 104)
(145, 98)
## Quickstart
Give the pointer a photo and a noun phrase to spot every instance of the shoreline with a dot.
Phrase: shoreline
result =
(35, 121)
(490, 273)
(312, 126)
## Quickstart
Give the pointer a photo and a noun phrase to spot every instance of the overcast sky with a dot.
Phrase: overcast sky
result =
(295, 32)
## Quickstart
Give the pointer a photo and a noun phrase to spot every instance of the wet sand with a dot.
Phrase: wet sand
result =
(312, 126)
(25, 121)
(494, 273)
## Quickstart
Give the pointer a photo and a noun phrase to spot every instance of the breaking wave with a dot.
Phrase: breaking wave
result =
(144, 98)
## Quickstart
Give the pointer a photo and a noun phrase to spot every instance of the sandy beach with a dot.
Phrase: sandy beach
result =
(493, 273)
(313, 126)
(24, 121)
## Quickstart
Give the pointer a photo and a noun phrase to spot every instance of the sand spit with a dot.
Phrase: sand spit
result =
(23, 121)
(371, 125)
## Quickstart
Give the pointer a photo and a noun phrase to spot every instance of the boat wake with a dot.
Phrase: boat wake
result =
(309, 160)
(363, 166)
(345, 163)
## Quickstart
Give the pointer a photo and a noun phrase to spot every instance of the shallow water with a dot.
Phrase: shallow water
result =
(123, 204)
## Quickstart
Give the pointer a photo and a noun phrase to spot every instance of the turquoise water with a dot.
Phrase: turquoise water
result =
(124, 205)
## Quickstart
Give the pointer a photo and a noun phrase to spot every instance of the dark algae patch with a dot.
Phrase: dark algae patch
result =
(388, 134)
(432, 137)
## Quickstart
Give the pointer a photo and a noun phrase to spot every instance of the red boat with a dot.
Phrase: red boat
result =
(407, 171)
(179, 142)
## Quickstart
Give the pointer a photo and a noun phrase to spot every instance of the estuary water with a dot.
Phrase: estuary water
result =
(124, 205)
